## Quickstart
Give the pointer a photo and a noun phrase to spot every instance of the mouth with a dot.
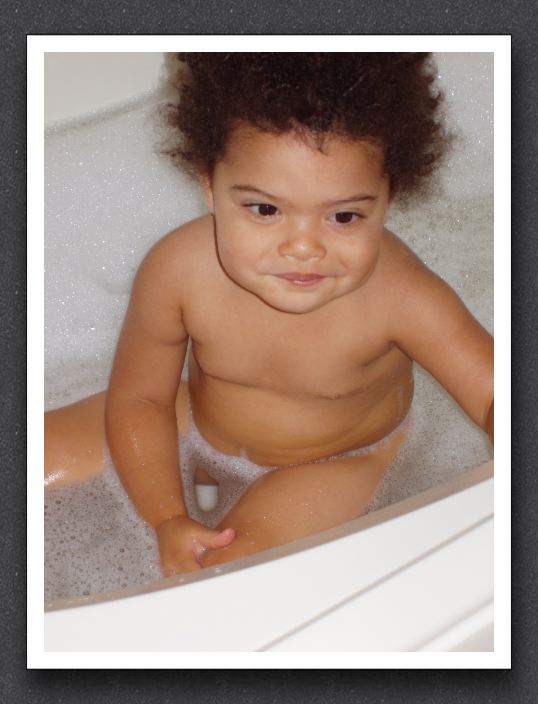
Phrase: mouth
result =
(303, 280)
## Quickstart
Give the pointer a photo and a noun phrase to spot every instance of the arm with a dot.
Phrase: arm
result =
(140, 410)
(433, 327)
(490, 423)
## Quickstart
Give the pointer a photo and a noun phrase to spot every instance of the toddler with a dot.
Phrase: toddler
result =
(305, 314)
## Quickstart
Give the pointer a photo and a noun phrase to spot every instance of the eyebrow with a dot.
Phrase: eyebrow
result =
(351, 199)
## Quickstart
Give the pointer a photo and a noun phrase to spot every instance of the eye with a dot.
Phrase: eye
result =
(262, 210)
(345, 217)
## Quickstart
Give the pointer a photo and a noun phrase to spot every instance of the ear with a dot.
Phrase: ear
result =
(205, 182)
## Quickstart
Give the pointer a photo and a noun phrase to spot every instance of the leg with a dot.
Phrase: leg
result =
(75, 442)
(290, 503)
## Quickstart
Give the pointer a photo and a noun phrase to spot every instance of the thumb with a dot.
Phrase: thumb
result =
(220, 539)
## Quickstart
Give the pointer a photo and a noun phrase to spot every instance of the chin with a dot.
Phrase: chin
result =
(296, 307)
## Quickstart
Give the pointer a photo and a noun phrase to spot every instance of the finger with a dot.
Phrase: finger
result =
(211, 540)
(220, 540)
(188, 564)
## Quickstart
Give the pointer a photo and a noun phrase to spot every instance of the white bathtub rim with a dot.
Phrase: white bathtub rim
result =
(463, 481)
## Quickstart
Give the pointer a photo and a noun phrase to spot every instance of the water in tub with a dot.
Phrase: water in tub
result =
(108, 198)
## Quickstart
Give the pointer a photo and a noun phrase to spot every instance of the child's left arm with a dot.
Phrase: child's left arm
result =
(433, 327)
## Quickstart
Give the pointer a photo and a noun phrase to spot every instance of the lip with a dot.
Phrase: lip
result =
(298, 279)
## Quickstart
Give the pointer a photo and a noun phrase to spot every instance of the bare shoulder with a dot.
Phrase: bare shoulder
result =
(405, 279)
(419, 303)
(398, 260)
(186, 241)
(172, 258)
(430, 323)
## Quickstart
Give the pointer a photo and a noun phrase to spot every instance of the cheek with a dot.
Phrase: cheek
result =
(360, 254)
(236, 251)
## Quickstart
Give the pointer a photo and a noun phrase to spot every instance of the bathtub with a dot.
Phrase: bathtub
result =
(337, 591)
(435, 593)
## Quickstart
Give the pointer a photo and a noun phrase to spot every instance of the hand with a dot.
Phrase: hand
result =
(183, 542)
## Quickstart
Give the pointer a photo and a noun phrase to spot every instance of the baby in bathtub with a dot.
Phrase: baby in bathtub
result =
(304, 312)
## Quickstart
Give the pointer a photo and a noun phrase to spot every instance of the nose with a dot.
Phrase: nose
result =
(302, 246)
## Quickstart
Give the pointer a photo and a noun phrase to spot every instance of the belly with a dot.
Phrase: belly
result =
(272, 427)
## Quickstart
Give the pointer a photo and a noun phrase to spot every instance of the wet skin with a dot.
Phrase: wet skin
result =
(304, 314)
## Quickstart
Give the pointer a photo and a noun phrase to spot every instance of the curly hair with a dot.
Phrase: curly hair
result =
(389, 99)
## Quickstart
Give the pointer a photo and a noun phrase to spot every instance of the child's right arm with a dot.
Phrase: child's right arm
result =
(140, 410)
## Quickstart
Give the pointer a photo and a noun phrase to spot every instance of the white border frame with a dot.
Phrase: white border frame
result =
(500, 46)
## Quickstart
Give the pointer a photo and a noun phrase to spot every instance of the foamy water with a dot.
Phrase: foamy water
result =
(108, 199)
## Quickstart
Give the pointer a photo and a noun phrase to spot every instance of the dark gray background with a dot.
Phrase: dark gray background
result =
(19, 19)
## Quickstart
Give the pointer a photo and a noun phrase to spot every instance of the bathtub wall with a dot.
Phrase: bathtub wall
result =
(74, 84)
(72, 91)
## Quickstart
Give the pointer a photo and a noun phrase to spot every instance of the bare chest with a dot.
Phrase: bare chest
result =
(322, 355)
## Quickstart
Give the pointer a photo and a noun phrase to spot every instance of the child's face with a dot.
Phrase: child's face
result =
(295, 226)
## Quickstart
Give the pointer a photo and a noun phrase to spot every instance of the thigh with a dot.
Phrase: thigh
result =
(75, 439)
(293, 502)
(75, 442)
